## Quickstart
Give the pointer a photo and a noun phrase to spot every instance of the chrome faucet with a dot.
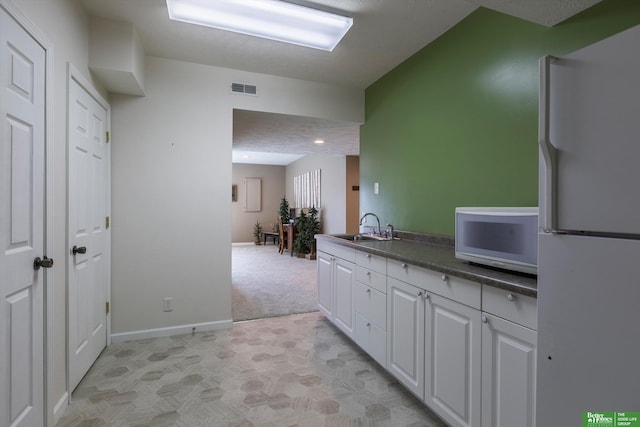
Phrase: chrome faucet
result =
(377, 219)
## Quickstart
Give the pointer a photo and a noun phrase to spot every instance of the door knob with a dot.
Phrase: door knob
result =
(79, 250)
(44, 263)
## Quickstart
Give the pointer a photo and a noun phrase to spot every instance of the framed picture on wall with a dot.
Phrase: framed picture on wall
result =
(234, 193)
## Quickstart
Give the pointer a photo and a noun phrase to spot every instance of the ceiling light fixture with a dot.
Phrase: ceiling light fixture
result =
(271, 19)
(319, 141)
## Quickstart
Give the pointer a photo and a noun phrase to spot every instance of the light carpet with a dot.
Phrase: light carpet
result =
(266, 283)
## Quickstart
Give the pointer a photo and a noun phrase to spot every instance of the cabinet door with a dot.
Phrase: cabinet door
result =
(343, 285)
(452, 361)
(325, 293)
(405, 334)
(371, 338)
(508, 373)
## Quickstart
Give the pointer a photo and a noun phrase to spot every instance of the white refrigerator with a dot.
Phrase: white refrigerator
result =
(589, 240)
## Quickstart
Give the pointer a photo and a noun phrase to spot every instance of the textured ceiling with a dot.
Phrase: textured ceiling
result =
(289, 135)
(384, 34)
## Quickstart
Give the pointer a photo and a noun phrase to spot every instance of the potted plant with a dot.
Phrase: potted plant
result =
(308, 227)
(257, 232)
(284, 210)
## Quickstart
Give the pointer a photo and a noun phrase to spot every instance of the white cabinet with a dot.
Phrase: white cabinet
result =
(467, 350)
(452, 360)
(325, 283)
(508, 359)
(405, 334)
(370, 305)
(336, 271)
(343, 315)
(434, 343)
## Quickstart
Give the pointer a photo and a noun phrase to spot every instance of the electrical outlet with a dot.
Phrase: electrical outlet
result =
(167, 304)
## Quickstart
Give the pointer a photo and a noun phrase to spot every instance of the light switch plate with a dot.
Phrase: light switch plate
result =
(376, 187)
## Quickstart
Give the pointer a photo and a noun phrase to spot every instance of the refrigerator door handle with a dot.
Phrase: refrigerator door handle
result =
(548, 151)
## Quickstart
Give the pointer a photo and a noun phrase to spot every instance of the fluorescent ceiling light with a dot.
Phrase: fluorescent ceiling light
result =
(271, 19)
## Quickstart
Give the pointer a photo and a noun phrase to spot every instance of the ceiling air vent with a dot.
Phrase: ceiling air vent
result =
(243, 88)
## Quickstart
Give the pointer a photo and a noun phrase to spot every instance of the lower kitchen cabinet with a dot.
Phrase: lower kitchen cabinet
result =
(405, 334)
(370, 305)
(335, 289)
(452, 361)
(508, 373)
(467, 350)
(325, 282)
(343, 275)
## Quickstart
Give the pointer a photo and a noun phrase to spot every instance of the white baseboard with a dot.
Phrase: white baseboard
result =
(171, 330)
(58, 410)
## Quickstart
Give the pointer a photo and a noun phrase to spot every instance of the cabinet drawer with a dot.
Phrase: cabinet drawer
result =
(371, 278)
(338, 251)
(372, 262)
(518, 308)
(455, 288)
(371, 304)
(372, 339)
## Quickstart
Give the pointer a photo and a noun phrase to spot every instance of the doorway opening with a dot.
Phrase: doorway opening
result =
(275, 148)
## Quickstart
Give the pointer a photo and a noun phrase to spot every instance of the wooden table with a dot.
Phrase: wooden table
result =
(290, 230)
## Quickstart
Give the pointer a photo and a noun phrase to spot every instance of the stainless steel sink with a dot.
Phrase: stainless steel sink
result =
(360, 237)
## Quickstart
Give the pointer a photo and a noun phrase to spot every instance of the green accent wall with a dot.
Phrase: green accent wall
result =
(457, 123)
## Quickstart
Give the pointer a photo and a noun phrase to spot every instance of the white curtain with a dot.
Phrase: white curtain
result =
(306, 190)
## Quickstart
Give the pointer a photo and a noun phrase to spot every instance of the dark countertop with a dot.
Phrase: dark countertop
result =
(440, 256)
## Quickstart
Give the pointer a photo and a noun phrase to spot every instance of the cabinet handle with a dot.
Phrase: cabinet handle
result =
(369, 291)
(420, 293)
(368, 255)
(403, 265)
(368, 273)
(484, 319)
(444, 278)
(510, 297)
(368, 325)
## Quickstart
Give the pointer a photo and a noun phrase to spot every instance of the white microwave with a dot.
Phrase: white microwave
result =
(499, 237)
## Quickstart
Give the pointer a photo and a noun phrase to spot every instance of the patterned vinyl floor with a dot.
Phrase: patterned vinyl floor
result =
(294, 370)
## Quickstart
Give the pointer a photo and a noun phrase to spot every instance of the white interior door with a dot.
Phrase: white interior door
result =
(88, 233)
(22, 172)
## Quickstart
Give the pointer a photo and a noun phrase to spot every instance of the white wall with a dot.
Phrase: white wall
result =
(333, 178)
(66, 27)
(273, 189)
(171, 173)
(171, 160)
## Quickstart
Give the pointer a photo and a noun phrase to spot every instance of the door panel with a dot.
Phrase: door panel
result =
(452, 360)
(325, 293)
(88, 196)
(588, 318)
(343, 275)
(22, 167)
(594, 99)
(405, 334)
(508, 373)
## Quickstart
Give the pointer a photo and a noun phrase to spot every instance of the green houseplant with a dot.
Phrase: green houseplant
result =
(257, 232)
(308, 226)
(284, 210)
